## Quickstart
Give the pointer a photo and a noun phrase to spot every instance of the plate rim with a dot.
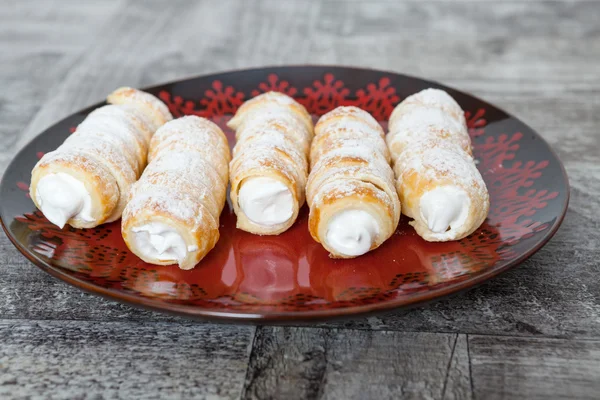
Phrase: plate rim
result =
(355, 311)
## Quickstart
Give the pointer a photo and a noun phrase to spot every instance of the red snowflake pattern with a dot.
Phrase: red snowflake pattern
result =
(325, 95)
(179, 107)
(78, 249)
(221, 100)
(511, 205)
(273, 84)
(218, 101)
(476, 122)
(378, 99)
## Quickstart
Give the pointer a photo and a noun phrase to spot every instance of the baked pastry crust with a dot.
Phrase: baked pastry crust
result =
(107, 153)
(273, 135)
(431, 149)
(350, 171)
(184, 187)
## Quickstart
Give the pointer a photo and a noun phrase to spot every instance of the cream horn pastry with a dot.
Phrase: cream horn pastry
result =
(172, 216)
(354, 206)
(86, 180)
(269, 168)
(436, 177)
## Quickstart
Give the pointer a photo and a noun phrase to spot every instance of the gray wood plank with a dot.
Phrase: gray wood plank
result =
(74, 359)
(526, 57)
(147, 43)
(274, 32)
(302, 363)
(534, 368)
(39, 42)
(515, 41)
(129, 42)
(457, 384)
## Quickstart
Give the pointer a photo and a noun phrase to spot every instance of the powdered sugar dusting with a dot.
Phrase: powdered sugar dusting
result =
(432, 98)
(351, 155)
(123, 117)
(117, 130)
(341, 188)
(349, 114)
(442, 160)
(155, 110)
(189, 164)
(269, 101)
(165, 201)
(191, 128)
(262, 160)
(346, 133)
(424, 123)
(79, 161)
(199, 189)
(274, 139)
(131, 115)
(428, 140)
(104, 153)
(364, 172)
(336, 143)
(276, 116)
(183, 179)
(277, 97)
(344, 160)
(192, 132)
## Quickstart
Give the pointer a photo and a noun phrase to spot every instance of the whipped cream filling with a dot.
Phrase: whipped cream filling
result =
(156, 240)
(445, 208)
(266, 201)
(352, 232)
(62, 197)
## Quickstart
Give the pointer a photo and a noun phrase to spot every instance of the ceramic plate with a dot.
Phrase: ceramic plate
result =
(290, 277)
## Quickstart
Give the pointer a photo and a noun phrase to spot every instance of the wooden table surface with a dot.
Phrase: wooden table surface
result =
(531, 333)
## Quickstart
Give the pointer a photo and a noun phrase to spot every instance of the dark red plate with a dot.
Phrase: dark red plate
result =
(290, 277)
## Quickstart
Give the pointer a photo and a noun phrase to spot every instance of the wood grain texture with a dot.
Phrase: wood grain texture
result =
(457, 384)
(74, 359)
(39, 42)
(305, 363)
(536, 59)
(534, 368)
